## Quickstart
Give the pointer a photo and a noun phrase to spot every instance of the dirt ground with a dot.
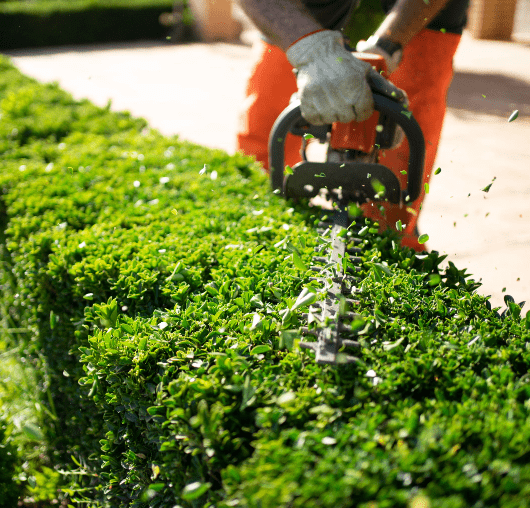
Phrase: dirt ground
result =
(196, 90)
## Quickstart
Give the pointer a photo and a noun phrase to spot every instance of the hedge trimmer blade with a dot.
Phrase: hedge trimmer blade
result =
(331, 332)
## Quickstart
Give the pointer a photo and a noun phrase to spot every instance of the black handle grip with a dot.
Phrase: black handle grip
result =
(291, 120)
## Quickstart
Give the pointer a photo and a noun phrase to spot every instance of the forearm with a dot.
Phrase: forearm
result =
(407, 18)
(282, 21)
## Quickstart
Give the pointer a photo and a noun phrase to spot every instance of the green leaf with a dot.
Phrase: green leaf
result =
(438, 171)
(33, 432)
(488, 187)
(256, 321)
(305, 298)
(288, 170)
(297, 260)
(286, 398)
(378, 187)
(258, 350)
(423, 238)
(513, 116)
(308, 136)
(434, 279)
(157, 487)
(195, 490)
(53, 319)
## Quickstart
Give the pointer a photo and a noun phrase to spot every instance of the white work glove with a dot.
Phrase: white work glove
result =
(370, 46)
(332, 84)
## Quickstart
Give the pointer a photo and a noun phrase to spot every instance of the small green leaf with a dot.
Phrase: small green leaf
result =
(488, 187)
(258, 350)
(157, 487)
(256, 321)
(53, 319)
(513, 116)
(438, 171)
(399, 225)
(89, 296)
(33, 432)
(142, 344)
(285, 398)
(322, 175)
(363, 231)
(306, 297)
(378, 187)
(308, 136)
(423, 238)
(195, 490)
(426, 188)
(403, 172)
(434, 279)
(297, 260)
(288, 170)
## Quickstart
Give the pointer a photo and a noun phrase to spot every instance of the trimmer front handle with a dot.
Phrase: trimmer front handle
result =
(291, 120)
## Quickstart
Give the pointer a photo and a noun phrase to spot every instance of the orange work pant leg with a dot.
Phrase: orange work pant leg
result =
(425, 74)
(269, 89)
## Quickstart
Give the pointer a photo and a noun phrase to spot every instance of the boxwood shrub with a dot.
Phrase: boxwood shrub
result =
(9, 490)
(161, 282)
(63, 22)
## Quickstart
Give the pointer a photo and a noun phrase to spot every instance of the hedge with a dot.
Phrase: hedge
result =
(161, 282)
(66, 22)
(9, 491)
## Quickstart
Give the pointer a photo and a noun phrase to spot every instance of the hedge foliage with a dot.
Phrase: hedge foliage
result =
(66, 22)
(9, 491)
(161, 282)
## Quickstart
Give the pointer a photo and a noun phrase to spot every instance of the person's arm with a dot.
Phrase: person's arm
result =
(407, 18)
(282, 21)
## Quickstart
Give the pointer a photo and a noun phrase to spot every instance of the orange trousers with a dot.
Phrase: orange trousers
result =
(425, 74)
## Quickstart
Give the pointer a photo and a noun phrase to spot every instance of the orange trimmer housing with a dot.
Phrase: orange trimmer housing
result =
(359, 136)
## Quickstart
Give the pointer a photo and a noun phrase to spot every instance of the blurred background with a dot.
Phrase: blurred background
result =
(183, 66)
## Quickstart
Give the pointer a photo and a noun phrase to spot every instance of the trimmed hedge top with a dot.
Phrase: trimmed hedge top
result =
(50, 6)
(162, 283)
(66, 22)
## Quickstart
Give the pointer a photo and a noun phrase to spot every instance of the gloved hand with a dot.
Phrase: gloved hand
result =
(332, 83)
(385, 87)
(370, 46)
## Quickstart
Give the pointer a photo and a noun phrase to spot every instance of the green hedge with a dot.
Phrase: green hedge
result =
(63, 22)
(9, 491)
(161, 281)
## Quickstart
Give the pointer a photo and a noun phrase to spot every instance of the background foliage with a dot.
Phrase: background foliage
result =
(26, 24)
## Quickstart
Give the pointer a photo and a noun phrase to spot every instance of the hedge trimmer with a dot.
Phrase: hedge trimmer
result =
(351, 174)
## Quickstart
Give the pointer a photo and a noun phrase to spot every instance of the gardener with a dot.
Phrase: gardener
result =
(417, 39)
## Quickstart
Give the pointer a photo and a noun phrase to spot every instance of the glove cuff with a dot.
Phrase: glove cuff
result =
(392, 52)
(314, 45)
(304, 36)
